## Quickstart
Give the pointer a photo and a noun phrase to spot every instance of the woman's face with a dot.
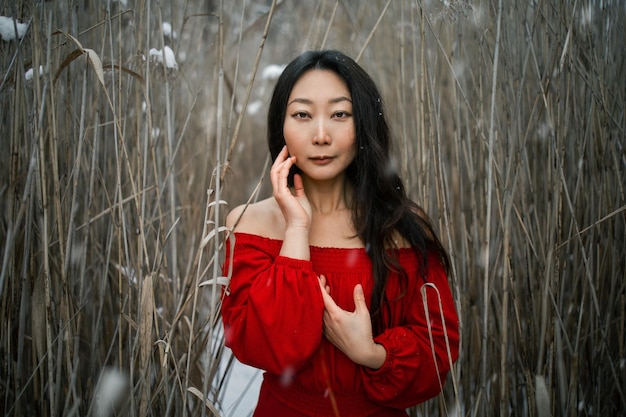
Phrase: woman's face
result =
(319, 126)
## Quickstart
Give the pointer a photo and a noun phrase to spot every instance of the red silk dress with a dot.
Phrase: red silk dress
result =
(272, 314)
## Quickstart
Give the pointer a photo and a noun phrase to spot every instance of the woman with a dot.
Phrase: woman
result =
(338, 283)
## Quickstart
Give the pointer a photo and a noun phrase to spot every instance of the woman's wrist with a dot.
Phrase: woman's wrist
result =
(376, 357)
(296, 243)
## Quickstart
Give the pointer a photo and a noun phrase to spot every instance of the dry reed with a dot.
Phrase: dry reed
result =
(510, 119)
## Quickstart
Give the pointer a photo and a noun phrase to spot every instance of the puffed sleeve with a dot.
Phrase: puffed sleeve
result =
(272, 311)
(416, 367)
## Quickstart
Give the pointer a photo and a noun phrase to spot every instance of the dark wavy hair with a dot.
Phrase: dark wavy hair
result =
(380, 205)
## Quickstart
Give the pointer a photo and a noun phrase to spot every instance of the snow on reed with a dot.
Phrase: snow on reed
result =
(8, 28)
(170, 58)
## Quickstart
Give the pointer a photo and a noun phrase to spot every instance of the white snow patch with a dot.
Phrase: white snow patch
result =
(122, 2)
(272, 72)
(7, 29)
(544, 130)
(170, 58)
(459, 68)
(586, 15)
(128, 272)
(255, 107)
(167, 30)
(110, 390)
(29, 74)
(242, 392)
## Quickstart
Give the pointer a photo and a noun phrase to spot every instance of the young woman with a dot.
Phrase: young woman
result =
(338, 283)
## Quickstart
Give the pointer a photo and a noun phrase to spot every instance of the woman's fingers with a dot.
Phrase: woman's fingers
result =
(295, 208)
(322, 281)
(325, 288)
(298, 186)
(279, 173)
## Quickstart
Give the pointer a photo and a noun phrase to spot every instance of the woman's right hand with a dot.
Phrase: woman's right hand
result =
(294, 205)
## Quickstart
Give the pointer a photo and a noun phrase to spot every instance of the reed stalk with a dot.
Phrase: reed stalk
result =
(510, 125)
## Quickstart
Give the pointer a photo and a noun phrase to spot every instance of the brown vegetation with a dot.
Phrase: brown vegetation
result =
(510, 125)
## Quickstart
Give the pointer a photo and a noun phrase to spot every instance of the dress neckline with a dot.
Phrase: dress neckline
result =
(276, 241)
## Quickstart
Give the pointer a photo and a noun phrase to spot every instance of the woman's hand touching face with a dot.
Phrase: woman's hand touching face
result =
(294, 205)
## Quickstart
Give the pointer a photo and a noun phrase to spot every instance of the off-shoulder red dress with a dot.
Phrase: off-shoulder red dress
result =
(272, 314)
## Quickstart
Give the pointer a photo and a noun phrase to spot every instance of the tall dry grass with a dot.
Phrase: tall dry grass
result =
(116, 170)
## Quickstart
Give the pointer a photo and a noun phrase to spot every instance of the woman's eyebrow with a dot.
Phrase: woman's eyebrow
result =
(331, 101)
(340, 99)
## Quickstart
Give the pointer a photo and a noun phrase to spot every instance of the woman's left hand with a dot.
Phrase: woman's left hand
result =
(351, 332)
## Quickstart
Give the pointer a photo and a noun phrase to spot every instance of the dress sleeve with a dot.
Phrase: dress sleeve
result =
(416, 367)
(272, 311)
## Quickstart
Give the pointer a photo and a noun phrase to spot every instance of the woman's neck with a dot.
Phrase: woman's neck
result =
(328, 197)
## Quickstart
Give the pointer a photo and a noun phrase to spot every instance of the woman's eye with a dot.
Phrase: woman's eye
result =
(342, 114)
(300, 115)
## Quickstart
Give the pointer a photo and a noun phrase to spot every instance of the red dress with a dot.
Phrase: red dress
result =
(272, 317)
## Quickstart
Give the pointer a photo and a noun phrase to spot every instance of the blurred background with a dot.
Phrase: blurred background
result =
(130, 127)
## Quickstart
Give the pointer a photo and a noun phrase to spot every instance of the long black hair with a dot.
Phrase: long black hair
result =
(380, 205)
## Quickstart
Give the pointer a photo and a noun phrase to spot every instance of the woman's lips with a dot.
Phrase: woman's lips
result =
(321, 160)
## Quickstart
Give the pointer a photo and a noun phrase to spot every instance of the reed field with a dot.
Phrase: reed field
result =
(128, 128)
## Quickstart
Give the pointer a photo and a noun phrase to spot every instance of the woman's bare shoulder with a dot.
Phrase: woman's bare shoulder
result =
(263, 218)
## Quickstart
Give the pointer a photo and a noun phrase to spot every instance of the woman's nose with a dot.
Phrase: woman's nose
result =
(322, 136)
